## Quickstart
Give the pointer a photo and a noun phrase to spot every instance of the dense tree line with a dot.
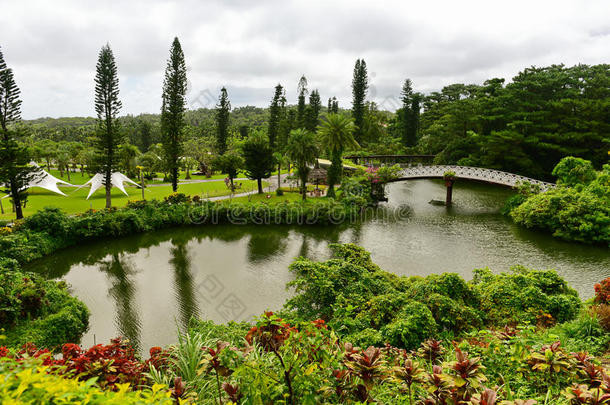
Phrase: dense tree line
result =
(525, 126)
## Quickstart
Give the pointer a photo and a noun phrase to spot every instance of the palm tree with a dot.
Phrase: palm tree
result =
(336, 134)
(279, 159)
(302, 151)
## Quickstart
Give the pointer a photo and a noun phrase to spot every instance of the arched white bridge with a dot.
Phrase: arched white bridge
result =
(470, 173)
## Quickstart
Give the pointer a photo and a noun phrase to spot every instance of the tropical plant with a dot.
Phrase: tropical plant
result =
(302, 151)
(336, 135)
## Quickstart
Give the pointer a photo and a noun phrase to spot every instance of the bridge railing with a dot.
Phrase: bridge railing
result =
(472, 173)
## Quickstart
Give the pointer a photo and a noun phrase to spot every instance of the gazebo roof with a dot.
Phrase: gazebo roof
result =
(317, 174)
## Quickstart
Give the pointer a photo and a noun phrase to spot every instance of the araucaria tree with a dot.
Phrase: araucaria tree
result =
(107, 107)
(333, 105)
(302, 151)
(173, 108)
(313, 111)
(258, 158)
(410, 114)
(336, 134)
(275, 115)
(360, 85)
(223, 109)
(301, 106)
(15, 171)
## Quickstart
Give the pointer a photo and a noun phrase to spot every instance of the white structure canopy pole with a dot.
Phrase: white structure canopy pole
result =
(117, 179)
(45, 180)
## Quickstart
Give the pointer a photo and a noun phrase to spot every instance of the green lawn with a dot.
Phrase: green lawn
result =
(76, 200)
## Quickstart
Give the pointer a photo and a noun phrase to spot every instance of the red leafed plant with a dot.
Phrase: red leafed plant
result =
(112, 364)
(602, 292)
(270, 332)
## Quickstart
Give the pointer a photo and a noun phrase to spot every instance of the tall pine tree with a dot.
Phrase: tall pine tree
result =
(360, 85)
(313, 111)
(107, 107)
(409, 114)
(223, 109)
(173, 108)
(15, 171)
(301, 107)
(275, 112)
(333, 105)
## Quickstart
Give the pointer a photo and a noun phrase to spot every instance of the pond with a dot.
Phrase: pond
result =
(148, 286)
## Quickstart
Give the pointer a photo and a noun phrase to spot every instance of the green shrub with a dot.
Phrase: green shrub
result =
(413, 325)
(366, 337)
(382, 309)
(66, 326)
(572, 171)
(578, 211)
(357, 298)
(525, 296)
(50, 220)
(39, 311)
(451, 315)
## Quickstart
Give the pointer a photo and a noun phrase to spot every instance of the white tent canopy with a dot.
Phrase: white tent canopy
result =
(117, 181)
(45, 180)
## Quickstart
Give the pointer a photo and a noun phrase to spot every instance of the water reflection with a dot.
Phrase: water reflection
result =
(120, 273)
(184, 284)
(264, 245)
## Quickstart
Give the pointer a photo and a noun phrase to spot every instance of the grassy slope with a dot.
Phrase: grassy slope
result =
(76, 200)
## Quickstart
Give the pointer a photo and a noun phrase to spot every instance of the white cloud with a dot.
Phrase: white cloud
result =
(251, 46)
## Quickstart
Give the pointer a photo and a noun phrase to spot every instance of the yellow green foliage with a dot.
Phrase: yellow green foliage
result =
(30, 383)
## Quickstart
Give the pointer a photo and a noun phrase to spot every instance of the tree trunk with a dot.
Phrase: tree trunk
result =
(16, 200)
(260, 185)
(175, 179)
(188, 174)
(279, 176)
(232, 186)
(304, 187)
(68, 172)
(108, 185)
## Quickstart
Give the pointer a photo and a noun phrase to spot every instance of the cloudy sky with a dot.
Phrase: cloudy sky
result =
(249, 46)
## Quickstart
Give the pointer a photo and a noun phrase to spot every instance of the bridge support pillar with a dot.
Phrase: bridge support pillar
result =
(449, 197)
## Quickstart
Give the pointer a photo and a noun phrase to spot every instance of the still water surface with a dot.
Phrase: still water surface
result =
(148, 286)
